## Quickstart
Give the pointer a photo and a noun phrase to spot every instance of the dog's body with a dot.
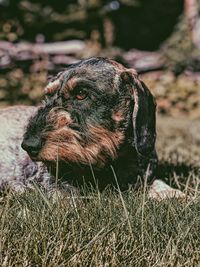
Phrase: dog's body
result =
(17, 170)
(98, 120)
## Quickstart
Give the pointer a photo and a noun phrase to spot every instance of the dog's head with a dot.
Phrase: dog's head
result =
(90, 111)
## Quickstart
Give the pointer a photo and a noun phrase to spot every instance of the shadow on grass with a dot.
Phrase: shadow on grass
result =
(171, 173)
(174, 174)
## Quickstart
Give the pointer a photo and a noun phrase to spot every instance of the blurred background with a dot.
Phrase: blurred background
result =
(160, 38)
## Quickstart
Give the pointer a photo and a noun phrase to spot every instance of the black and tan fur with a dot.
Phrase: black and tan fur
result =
(96, 114)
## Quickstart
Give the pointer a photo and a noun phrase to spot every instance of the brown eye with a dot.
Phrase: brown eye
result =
(81, 94)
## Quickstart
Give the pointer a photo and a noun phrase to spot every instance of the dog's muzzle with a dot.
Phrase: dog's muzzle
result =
(32, 146)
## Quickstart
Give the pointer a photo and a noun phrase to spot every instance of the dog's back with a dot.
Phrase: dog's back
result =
(15, 164)
(13, 121)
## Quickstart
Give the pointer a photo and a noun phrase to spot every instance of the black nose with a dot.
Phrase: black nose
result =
(32, 146)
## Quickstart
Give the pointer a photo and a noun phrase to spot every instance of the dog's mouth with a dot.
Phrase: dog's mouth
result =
(34, 156)
(71, 148)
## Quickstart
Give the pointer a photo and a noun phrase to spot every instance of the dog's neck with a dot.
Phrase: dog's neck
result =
(128, 168)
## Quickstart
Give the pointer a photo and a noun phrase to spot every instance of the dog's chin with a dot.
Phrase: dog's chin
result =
(71, 154)
(41, 158)
(54, 161)
(34, 158)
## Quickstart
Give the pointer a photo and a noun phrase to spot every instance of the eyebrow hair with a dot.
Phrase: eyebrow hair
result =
(74, 83)
(84, 82)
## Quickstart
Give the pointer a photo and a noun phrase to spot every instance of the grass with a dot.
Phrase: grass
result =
(111, 228)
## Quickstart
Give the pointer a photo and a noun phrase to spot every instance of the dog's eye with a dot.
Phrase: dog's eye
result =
(81, 94)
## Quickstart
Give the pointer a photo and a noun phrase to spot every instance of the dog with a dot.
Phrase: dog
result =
(96, 125)
(96, 114)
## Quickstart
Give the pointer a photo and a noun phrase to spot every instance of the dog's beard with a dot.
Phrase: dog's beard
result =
(96, 147)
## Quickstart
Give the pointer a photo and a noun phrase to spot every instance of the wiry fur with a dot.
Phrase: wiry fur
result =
(79, 139)
(17, 170)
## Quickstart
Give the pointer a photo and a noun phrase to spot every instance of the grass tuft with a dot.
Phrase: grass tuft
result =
(40, 232)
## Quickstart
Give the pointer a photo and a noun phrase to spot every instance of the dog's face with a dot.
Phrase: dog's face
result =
(91, 110)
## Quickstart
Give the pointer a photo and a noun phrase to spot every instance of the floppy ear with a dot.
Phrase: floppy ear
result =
(143, 117)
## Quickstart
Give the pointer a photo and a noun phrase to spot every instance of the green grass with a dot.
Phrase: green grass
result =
(108, 228)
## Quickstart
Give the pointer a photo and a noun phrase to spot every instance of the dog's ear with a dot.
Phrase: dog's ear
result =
(144, 112)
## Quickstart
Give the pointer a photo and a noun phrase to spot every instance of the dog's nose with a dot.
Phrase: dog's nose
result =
(32, 146)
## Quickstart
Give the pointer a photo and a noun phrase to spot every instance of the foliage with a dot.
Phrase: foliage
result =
(179, 49)
(35, 20)
(102, 25)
